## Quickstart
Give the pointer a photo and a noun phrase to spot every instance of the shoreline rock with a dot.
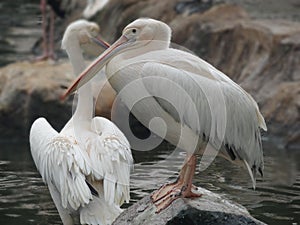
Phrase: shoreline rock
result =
(31, 90)
(210, 209)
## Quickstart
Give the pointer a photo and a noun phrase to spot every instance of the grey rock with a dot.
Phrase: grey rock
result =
(32, 90)
(210, 209)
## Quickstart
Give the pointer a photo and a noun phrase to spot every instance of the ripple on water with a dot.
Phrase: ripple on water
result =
(25, 199)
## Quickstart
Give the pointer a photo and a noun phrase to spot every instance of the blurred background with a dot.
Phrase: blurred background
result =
(255, 42)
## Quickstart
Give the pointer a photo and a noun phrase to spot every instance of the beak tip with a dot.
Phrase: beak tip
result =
(106, 44)
(101, 42)
(62, 97)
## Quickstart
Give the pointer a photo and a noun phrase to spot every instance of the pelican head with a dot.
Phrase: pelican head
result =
(141, 36)
(85, 35)
(146, 31)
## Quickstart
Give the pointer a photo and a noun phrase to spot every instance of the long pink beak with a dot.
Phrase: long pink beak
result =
(96, 66)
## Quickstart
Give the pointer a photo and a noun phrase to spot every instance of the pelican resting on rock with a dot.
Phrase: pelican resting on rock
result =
(206, 113)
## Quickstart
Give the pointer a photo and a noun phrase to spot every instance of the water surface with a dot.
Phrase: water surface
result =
(24, 199)
(20, 25)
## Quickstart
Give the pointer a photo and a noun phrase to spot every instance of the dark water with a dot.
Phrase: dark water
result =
(20, 29)
(24, 199)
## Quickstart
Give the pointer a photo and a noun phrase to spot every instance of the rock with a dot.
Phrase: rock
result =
(210, 209)
(29, 91)
(282, 112)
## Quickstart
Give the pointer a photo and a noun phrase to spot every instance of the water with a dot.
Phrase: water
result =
(24, 199)
(20, 29)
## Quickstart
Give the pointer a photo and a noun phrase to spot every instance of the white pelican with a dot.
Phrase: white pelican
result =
(228, 117)
(87, 165)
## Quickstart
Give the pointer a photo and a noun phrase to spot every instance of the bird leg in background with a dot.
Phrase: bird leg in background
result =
(182, 187)
(51, 53)
(46, 53)
(43, 8)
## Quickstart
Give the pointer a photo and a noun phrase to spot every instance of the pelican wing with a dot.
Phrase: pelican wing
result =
(61, 162)
(203, 99)
(227, 116)
(111, 160)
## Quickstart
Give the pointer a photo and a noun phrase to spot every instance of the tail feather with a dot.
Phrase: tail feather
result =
(99, 212)
(252, 174)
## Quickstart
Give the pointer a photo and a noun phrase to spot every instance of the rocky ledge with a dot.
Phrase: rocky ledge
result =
(210, 209)
(28, 91)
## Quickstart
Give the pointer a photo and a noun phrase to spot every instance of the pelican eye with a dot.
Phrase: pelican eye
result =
(134, 31)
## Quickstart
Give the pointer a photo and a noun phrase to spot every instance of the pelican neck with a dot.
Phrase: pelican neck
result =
(84, 108)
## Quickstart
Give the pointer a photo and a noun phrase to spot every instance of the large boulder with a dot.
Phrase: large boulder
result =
(210, 209)
(29, 91)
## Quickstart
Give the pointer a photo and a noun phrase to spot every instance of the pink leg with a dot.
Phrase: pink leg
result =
(182, 187)
(45, 53)
(51, 35)
(167, 188)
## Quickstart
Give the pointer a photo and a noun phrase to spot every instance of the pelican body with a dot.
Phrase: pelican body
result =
(87, 165)
(205, 106)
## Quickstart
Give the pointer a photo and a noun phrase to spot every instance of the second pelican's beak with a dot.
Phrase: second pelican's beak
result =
(98, 40)
(94, 46)
(97, 65)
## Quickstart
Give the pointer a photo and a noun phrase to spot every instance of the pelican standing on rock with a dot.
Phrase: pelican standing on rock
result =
(87, 165)
(227, 117)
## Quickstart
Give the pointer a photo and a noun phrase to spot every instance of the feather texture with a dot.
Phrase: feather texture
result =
(202, 101)
(61, 162)
(63, 165)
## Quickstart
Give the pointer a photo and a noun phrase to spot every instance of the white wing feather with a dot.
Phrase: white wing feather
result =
(65, 168)
(201, 81)
(111, 160)
(243, 119)
(61, 162)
